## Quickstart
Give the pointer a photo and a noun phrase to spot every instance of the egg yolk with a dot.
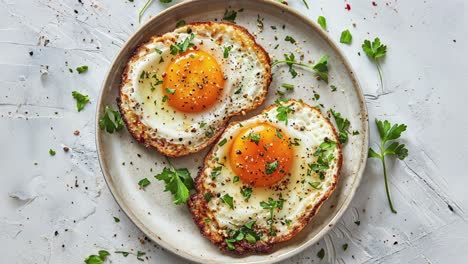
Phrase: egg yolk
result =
(193, 81)
(261, 155)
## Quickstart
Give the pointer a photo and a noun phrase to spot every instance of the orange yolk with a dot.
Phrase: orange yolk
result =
(193, 81)
(261, 155)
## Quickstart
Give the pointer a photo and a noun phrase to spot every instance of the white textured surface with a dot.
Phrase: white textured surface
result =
(425, 77)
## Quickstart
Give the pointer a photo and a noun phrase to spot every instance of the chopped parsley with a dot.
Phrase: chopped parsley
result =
(181, 23)
(287, 86)
(143, 183)
(182, 47)
(235, 179)
(97, 259)
(321, 253)
(230, 15)
(82, 69)
(178, 182)
(165, 98)
(202, 124)
(246, 193)
(170, 91)
(305, 3)
(116, 219)
(333, 88)
(222, 142)
(320, 68)
(227, 199)
(282, 110)
(226, 51)
(140, 254)
(110, 120)
(207, 197)
(271, 205)
(271, 167)
(346, 37)
(245, 232)
(322, 21)
(81, 100)
(290, 39)
(344, 247)
(316, 185)
(324, 155)
(342, 124)
(51, 152)
(253, 137)
(216, 172)
(375, 51)
(388, 134)
(278, 134)
(124, 253)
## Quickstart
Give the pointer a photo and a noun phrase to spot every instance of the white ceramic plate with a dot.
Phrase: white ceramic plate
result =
(124, 161)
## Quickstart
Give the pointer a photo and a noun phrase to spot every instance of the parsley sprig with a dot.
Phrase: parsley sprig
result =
(342, 124)
(320, 68)
(97, 259)
(283, 110)
(110, 120)
(244, 232)
(178, 182)
(374, 51)
(182, 47)
(81, 100)
(271, 205)
(324, 155)
(389, 147)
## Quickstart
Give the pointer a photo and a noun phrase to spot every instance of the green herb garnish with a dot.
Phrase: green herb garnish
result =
(246, 193)
(346, 37)
(226, 51)
(342, 124)
(97, 259)
(110, 120)
(235, 179)
(81, 100)
(290, 39)
(374, 51)
(321, 253)
(227, 199)
(116, 219)
(322, 21)
(143, 183)
(388, 134)
(222, 142)
(282, 110)
(271, 205)
(181, 23)
(82, 69)
(148, 2)
(320, 68)
(271, 167)
(178, 182)
(51, 152)
(182, 47)
(230, 15)
(244, 232)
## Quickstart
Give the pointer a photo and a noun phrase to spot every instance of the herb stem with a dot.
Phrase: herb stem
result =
(291, 62)
(143, 9)
(387, 188)
(379, 70)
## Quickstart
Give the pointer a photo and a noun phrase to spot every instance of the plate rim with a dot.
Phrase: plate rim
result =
(362, 164)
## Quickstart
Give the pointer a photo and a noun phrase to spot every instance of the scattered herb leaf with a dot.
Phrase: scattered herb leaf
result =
(81, 100)
(110, 120)
(374, 51)
(322, 21)
(346, 37)
(178, 182)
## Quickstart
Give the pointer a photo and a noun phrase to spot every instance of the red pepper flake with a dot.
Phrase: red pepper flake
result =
(374, 3)
(348, 7)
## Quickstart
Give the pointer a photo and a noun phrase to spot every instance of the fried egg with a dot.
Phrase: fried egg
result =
(180, 89)
(267, 177)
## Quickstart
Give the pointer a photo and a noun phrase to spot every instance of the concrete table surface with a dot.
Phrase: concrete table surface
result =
(58, 209)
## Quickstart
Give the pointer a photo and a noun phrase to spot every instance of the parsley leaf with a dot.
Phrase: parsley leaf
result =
(342, 124)
(245, 232)
(324, 154)
(227, 199)
(226, 51)
(181, 23)
(143, 183)
(282, 110)
(346, 37)
(320, 68)
(321, 253)
(207, 197)
(110, 121)
(51, 152)
(322, 21)
(388, 147)
(82, 69)
(182, 47)
(246, 192)
(230, 15)
(253, 137)
(178, 182)
(81, 100)
(271, 205)
(271, 167)
(97, 259)
(290, 39)
(374, 51)
(222, 142)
